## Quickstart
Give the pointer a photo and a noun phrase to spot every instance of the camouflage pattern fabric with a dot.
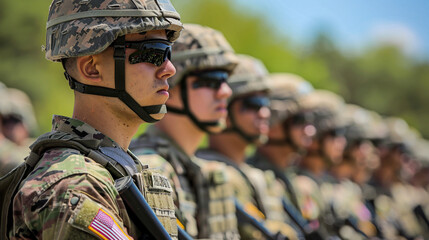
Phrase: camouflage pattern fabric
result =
(395, 211)
(79, 28)
(249, 76)
(259, 194)
(347, 200)
(21, 106)
(258, 160)
(11, 155)
(286, 89)
(201, 48)
(327, 109)
(203, 198)
(63, 195)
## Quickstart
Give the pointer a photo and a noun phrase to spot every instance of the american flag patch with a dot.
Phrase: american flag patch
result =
(106, 227)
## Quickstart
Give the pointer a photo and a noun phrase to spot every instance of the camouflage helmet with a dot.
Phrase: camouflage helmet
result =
(421, 151)
(286, 89)
(249, 76)
(86, 27)
(4, 100)
(22, 108)
(378, 130)
(326, 108)
(400, 133)
(359, 123)
(201, 48)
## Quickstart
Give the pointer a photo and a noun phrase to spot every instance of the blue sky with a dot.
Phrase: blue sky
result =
(353, 24)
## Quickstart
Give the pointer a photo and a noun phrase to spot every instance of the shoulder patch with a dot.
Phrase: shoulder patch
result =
(106, 227)
(160, 182)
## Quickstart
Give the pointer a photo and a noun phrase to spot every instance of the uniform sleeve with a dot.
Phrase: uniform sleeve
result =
(69, 206)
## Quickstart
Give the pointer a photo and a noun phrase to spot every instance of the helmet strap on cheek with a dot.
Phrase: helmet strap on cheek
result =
(203, 126)
(119, 91)
(235, 128)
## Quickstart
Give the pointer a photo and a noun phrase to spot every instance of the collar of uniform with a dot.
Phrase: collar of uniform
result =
(259, 160)
(80, 129)
(164, 139)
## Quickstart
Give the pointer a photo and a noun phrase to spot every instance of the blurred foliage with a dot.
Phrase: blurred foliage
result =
(380, 78)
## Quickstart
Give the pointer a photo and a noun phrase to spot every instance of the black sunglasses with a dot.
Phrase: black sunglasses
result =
(155, 51)
(301, 118)
(336, 132)
(255, 102)
(209, 79)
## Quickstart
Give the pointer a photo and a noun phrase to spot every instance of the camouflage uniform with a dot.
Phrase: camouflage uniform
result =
(338, 201)
(203, 198)
(70, 195)
(61, 198)
(258, 191)
(395, 200)
(19, 123)
(285, 92)
(11, 155)
(204, 201)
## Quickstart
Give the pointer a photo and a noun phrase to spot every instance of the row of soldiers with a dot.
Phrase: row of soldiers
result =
(282, 160)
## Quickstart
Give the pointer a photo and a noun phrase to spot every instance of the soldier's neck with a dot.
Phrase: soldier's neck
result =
(183, 131)
(231, 145)
(119, 128)
(279, 155)
(314, 163)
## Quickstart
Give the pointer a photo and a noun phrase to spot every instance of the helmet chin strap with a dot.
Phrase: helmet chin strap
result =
(235, 128)
(202, 125)
(119, 91)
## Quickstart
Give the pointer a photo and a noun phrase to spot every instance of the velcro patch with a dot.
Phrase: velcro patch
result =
(160, 182)
(106, 227)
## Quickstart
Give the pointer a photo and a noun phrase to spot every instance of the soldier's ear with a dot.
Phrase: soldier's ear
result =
(88, 69)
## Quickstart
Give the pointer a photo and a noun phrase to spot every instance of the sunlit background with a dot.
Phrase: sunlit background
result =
(373, 53)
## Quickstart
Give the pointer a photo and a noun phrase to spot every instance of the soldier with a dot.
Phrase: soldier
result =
(323, 186)
(116, 59)
(247, 124)
(289, 129)
(11, 155)
(20, 122)
(396, 199)
(199, 93)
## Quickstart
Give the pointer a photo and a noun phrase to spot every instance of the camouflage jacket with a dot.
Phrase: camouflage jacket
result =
(334, 203)
(70, 196)
(284, 176)
(396, 209)
(11, 155)
(204, 200)
(259, 193)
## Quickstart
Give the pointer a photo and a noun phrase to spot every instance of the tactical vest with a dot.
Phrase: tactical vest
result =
(266, 193)
(203, 186)
(150, 183)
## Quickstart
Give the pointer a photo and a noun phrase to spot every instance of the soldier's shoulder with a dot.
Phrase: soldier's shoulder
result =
(154, 161)
(59, 165)
(216, 172)
(11, 155)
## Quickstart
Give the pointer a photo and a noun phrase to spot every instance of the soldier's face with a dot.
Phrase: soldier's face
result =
(333, 147)
(253, 121)
(145, 82)
(209, 104)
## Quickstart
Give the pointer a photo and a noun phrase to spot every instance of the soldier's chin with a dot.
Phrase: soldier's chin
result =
(262, 139)
(158, 116)
(221, 125)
